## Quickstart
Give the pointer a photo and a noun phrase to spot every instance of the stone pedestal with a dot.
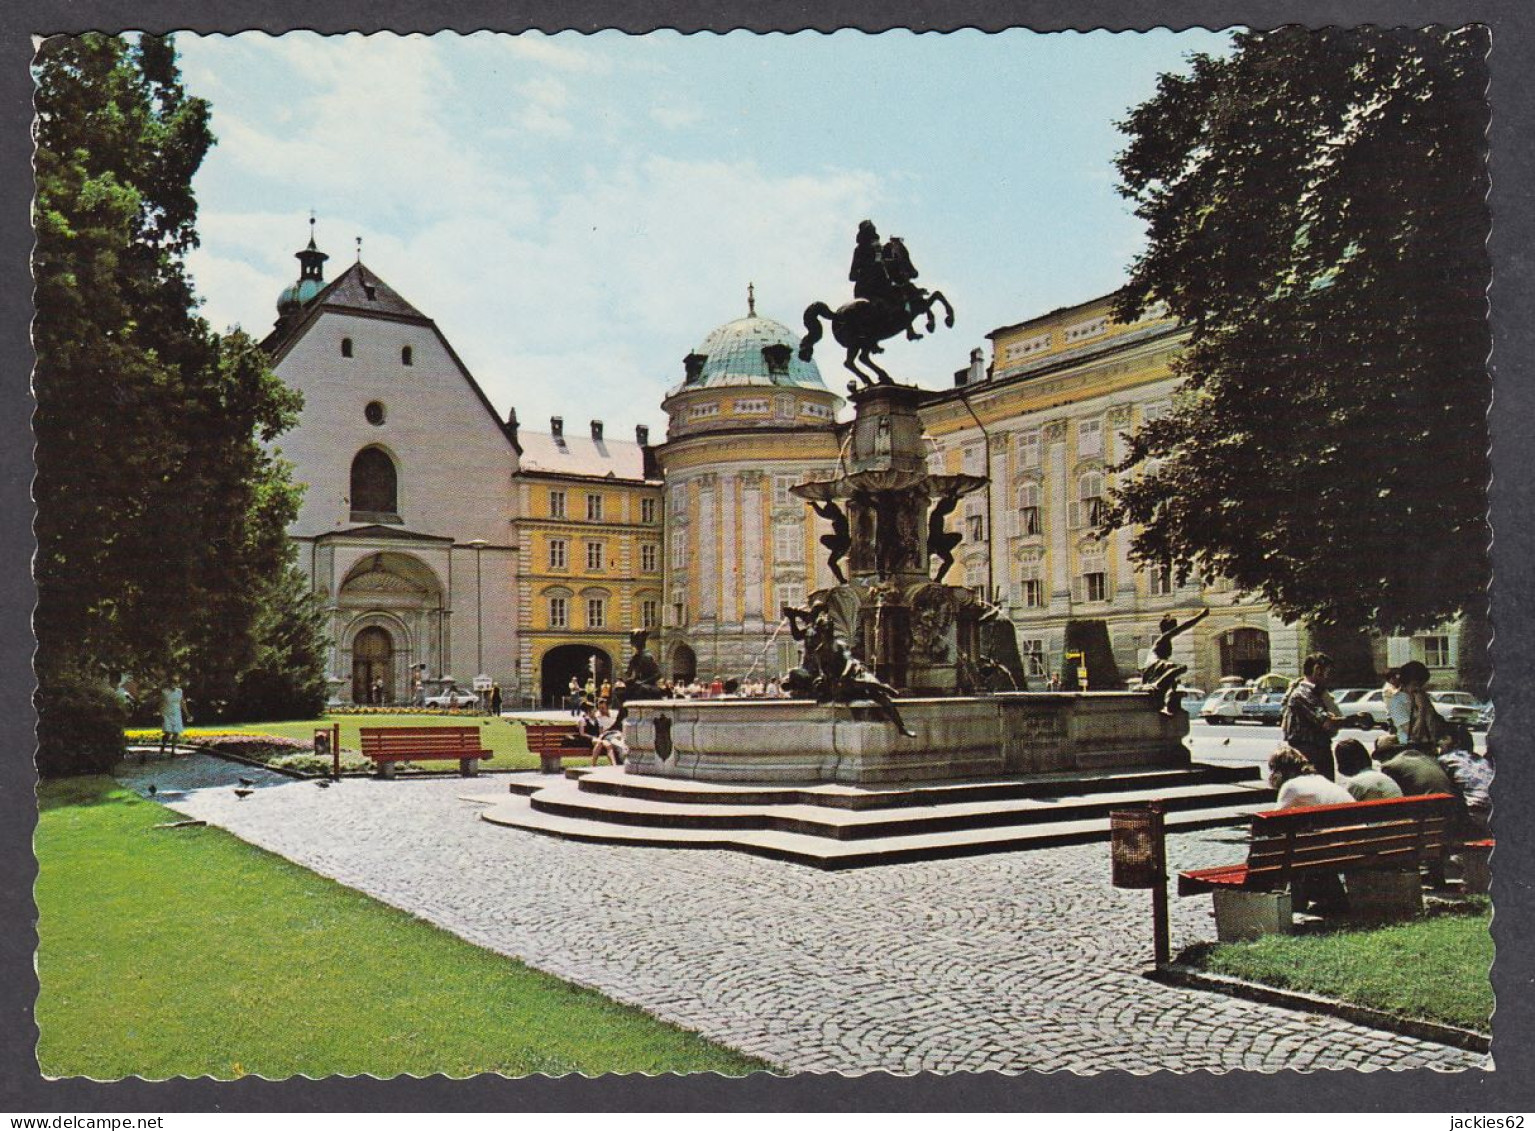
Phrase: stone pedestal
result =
(1384, 897)
(1243, 915)
(783, 741)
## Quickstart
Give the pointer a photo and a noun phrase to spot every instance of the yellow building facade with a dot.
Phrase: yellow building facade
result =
(589, 537)
(1047, 420)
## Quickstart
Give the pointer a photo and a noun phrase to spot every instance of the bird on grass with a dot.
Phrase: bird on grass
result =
(242, 794)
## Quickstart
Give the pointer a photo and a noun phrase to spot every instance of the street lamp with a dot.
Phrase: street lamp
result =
(479, 544)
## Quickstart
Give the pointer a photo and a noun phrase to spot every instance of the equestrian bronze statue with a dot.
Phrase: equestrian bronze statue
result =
(886, 302)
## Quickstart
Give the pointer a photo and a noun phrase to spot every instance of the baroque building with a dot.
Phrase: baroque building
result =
(1047, 421)
(748, 421)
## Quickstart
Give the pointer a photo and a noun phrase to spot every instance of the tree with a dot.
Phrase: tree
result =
(285, 679)
(1316, 217)
(160, 513)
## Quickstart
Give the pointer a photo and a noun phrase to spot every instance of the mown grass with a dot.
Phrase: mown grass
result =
(1435, 968)
(506, 739)
(187, 952)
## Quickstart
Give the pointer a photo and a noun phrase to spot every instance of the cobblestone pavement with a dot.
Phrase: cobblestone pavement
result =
(1017, 962)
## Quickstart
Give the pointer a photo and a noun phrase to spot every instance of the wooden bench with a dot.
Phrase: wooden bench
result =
(549, 742)
(386, 746)
(1378, 845)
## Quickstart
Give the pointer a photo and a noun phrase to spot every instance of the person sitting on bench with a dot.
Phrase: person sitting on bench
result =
(1358, 775)
(1300, 787)
(1472, 774)
(588, 731)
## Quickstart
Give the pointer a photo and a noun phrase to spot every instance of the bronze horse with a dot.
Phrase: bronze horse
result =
(865, 322)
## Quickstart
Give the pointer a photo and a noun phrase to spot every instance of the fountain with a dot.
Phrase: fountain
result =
(887, 752)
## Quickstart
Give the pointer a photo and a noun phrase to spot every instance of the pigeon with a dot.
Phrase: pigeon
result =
(247, 782)
(1226, 743)
(242, 794)
(152, 789)
(323, 784)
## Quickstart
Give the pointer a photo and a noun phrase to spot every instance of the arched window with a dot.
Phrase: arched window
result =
(406, 356)
(346, 347)
(375, 484)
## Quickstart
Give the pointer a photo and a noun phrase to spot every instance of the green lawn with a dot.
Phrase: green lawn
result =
(507, 739)
(169, 952)
(1435, 968)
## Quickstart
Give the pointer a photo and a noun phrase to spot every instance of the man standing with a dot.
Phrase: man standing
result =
(1309, 722)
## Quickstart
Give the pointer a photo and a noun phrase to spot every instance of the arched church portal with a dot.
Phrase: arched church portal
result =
(373, 666)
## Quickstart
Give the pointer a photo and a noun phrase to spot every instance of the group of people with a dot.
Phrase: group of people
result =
(1422, 753)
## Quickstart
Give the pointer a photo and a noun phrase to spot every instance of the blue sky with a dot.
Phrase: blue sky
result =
(578, 212)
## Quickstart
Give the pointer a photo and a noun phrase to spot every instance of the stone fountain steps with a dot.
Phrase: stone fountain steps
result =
(612, 781)
(834, 837)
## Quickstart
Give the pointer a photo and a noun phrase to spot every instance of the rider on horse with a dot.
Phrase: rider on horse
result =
(883, 272)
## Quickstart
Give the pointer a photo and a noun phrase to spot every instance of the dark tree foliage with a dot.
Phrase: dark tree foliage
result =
(160, 514)
(1317, 215)
(285, 679)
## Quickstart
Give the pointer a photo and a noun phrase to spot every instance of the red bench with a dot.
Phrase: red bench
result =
(552, 743)
(1387, 841)
(386, 746)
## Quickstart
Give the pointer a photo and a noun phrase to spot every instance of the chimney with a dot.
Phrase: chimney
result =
(641, 435)
(511, 423)
(597, 431)
(557, 427)
(977, 367)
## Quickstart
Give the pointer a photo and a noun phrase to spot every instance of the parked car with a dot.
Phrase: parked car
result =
(1458, 706)
(1193, 700)
(1371, 705)
(1266, 708)
(1484, 720)
(452, 697)
(1224, 705)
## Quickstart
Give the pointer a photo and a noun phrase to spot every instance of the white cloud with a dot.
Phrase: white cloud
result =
(563, 52)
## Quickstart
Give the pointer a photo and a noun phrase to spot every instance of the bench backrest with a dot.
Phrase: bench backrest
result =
(543, 737)
(1365, 836)
(444, 740)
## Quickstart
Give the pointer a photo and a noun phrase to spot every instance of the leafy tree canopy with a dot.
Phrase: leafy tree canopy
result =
(160, 510)
(1316, 216)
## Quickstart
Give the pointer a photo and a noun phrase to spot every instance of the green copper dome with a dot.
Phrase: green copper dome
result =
(751, 351)
(297, 294)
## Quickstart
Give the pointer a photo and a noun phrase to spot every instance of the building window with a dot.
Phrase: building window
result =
(1033, 652)
(1156, 410)
(1093, 583)
(1089, 438)
(559, 612)
(1087, 509)
(650, 557)
(791, 595)
(1435, 651)
(648, 511)
(788, 543)
(1160, 581)
(594, 508)
(593, 556)
(679, 550)
(975, 460)
(556, 503)
(785, 408)
(975, 578)
(650, 613)
(596, 612)
(679, 614)
(1028, 448)
(1028, 509)
(1032, 584)
(781, 496)
(374, 413)
(975, 522)
(375, 483)
(752, 408)
(557, 555)
(407, 356)
(346, 347)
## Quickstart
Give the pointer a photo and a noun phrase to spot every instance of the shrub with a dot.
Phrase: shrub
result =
(311, 763)
(79, 725)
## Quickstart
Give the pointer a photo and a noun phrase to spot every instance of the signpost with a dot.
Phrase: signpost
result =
(328, 742)
(1137, 839)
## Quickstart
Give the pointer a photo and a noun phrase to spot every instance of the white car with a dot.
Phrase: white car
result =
(1458, 706)
(452, 697)
(1372, 704)
(1225, 705)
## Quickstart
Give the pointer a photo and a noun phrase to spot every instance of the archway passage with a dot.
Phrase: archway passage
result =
(373, 663)
(560, 664)
(684, 664)
(1245, 653)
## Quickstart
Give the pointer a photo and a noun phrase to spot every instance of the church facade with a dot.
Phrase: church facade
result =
(406, 523)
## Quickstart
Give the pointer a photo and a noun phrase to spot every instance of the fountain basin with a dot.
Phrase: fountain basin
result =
(787, 741)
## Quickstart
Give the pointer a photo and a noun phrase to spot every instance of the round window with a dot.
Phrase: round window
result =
(374, 412)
